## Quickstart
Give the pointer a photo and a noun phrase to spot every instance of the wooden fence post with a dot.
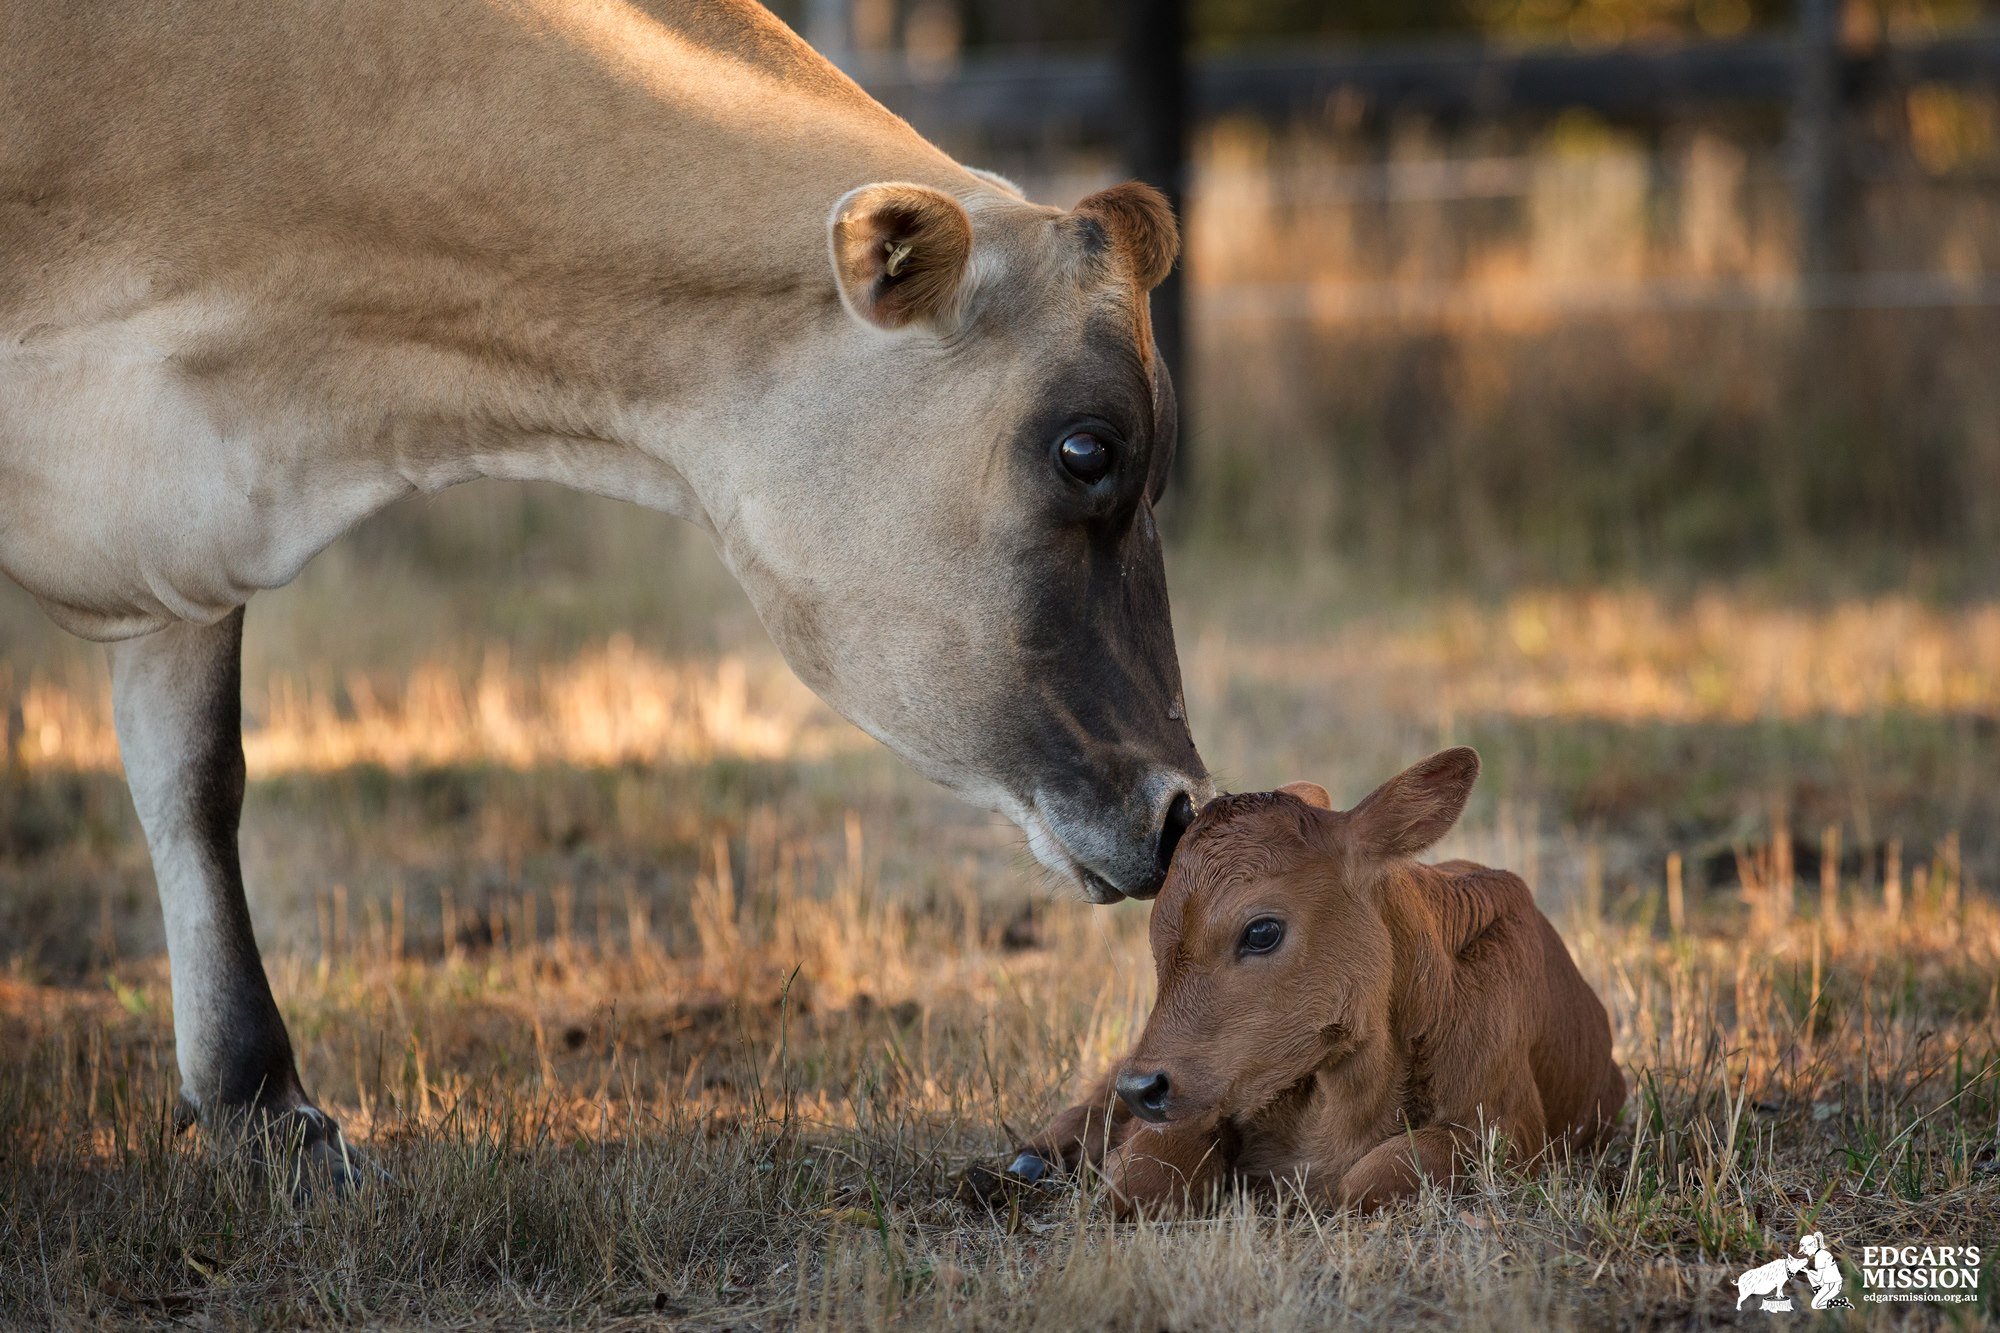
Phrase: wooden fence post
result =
(13, 728)
(1816, 96)
(1153, 97)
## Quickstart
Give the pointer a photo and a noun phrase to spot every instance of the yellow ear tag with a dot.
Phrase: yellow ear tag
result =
(898, 256)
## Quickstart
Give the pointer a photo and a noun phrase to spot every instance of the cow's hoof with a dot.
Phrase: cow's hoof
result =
(303, 1150)
(1029, 1168)
(327, 1161)
(324, 1160)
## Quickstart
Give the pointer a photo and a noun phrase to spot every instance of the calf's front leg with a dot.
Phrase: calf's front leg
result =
(1167, 1169)
(1081, 1135)
(177, 702)
(1397, 1168)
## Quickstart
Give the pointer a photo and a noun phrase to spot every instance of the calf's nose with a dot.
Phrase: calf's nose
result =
(1146, 1094)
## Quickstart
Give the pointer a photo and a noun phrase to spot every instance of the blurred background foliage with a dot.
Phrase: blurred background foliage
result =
(1220, 24)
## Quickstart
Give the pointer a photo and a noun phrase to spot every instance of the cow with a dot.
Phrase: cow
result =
(1332, 1014)
(267, 266)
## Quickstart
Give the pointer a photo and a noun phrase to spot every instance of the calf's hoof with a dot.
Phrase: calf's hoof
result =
(1029, 1168)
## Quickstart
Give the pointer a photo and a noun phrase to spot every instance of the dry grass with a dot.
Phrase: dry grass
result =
(701, 1021)
(760, 1120)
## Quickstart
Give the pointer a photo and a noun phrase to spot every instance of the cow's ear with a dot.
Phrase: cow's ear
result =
(1415, 808)
(1139, 223)
(1311, 793)
(900, 255)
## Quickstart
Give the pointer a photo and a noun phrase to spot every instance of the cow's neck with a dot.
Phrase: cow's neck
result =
(608, 279)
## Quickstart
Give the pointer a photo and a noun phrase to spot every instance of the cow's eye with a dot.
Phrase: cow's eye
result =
(1085, 456)
(1261, 935)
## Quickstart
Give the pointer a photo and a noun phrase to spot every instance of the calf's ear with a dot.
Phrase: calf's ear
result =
(1418, 806)
(900, 255)
(1311, 793)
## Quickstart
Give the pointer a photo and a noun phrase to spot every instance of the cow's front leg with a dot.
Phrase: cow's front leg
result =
(177, 700)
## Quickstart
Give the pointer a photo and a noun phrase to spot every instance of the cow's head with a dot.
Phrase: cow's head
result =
(950, 534)
(1269, 941)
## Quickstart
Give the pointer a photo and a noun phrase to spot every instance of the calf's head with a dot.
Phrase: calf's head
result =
(1269, 941)
(955, 545)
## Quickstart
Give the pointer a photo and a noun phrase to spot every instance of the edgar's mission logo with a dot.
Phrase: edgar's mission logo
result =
(1771, 1282)
(1947, 1274)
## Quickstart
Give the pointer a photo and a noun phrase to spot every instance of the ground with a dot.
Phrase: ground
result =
(663, 996)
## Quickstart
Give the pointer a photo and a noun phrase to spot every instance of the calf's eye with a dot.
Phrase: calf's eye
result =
(1084, 456)
(1261, 935)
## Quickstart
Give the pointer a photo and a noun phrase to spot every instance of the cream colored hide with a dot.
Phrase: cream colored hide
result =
(267, 266)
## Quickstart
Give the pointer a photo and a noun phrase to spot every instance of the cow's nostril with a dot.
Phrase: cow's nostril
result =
(1146, 1094)
(1180, 813)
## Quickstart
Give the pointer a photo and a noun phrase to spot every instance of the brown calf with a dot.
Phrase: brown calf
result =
(1331, 1012)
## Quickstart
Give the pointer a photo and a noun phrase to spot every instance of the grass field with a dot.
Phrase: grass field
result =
(664, 996)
